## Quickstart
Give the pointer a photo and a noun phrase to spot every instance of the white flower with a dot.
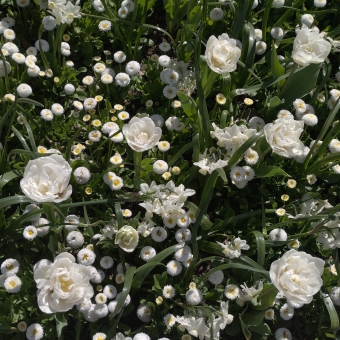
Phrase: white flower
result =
(261, 47)
(232, 249)
(335, 295)
(222, 54)
(44, 45)
(164, 61)
(286, 312)
(69, 89)
(174, 268)
(46, 179)
(61, 284)
(75, 239)
(110, 291)
(57, 109)
(320, 3)
(81, 175)
(168, 292)
(269, 314)
(334, 146)
(311, 179)
(104, 25)
(216, 14)
(99, 336)
(278, 235)
(34, 332)
(278, 3)
(127, 238)
(119, 57)
(49, 23)
(307, 19)
(147, 253)
(231, 291)
(194, 296)
(12, 284)
(132, 68)
(30, 233)
(216, 278)
(159, 234)
(164, 46)
(106, 262)
(283, 137)
(141, 133)
(122, 79)
(24, 90)
(86, 257)
(159, 167)
(74, 220)
(283, 334)
(310, 47)
(297, 275)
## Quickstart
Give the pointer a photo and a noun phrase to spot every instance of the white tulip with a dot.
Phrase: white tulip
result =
(61, 284)
(127, 238)
(297, 276)
(222, 54)
(46, 179)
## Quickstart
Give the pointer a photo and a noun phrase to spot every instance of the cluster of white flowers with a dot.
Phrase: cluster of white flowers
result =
(113, 181)
(8, 278)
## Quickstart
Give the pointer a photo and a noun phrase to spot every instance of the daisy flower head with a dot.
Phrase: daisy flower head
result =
(182, 235)
(120, 278)
(34, 332)
(250, 173)
(164, 61)
(106, 78)
(99, 68)
(251, 157)
(286, 312)
(10, 267)
(278, 235)
(176, 104)
(126, 213)
(132, 68)
(311, 179)
(159, 300)
(147, 253)
(194, 296)
(33, 71)
(100, 298)
(260, 47)
(116, 183)
(69, 63)
(336, 169)
(175, 170)
(22, 326)
(81, 175)
(78, 105)
(149, 103)
(269, 314)
(294, 244)
(221, 99)
(110, 291)
(183, 220)
(95, 135)
(10, 48)
(231, 291)
(277, 33)
(119, 57)
(166, 176)
(123, 115)
(334, 146)
(106, 262)
(278, 3)
(164, 46)
(174, 268)
(183, 254)
(320, 3)
(280, 212)
(216, 278)
(248, 101)
(291, 183)
(123, 12)
(96, 123)
(310, 119)
(144, 313)
(116, 159)
(122, 79)
(159, 234)
(216, 14)
(12, 284)
(69, 89)
(19, 58)
(110, 127)
(169, 320)
(30, 233)
(44, 44)
(170, 91)
(86, 257)
(46, 115)
(160, 167)
(90, 103)
(283, 334)
(88, 80)
(99, 336)
(237, 174)
(75, 239)
(24, 90)
(104, 25)
(57, 109)
(154, 57)
(158, 120)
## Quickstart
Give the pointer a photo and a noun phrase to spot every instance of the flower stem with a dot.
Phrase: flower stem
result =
(137, 159)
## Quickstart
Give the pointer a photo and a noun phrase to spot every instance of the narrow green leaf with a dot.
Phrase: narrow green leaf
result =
(261, 247)
(269, 171)
(9, 201)
(126, 289)
(8, 176)
(267, 7)
(333, 314)
(22, 141)
(30, 101)
(179, 153)
(61, 323)
(205, 223)
(145, 269)
(238, 22)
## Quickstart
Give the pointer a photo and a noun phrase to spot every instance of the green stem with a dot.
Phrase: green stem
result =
(137, 159)
(295, 66)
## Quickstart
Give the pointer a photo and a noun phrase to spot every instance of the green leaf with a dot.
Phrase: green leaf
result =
(61, 323)
(276, 68)
(262, 329)
(9, 201)
(269, 171)
(8, 176)
(267, 297)
(261, 247)
(250, 319)
(188, 104)
(274, 102)
(300, 84)
(145, 269)
(332, 312)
